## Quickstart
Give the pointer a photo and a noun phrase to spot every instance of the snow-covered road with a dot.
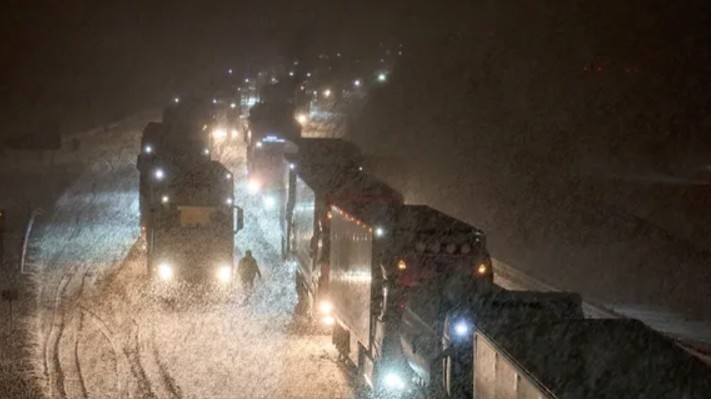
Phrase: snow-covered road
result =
(101, 333)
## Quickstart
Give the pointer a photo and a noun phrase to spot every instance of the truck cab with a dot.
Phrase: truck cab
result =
(190, 234)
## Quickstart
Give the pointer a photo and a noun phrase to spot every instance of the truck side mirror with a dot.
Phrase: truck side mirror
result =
(240, 219)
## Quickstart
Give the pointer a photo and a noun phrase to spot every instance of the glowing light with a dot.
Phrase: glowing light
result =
(219, 134)
(176, 100)
(229, 201)
(357, 83)
(253, 186)
(159, 174)
(401, 265)
(382, 77)
(165, 271)
(246, 80)
(214, 101)
(481, 269)
(224, 274)
(302, 118)
(228, 175)
(148, 149)
(229, 71)
(393, 381)
(233, 105)
(164, 199)
(329, 320)
(292, 166)
(379, 232)
(325, 307)
(461, 328)
(235, 132)
(291, 73)
(259, 144)
(269, 202)
(206, 151)
(327, 93)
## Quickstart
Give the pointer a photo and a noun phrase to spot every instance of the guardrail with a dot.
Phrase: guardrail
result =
(26, 239)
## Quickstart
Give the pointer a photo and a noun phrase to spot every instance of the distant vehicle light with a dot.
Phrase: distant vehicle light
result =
(246, 80)
(461, 328)
(325, 307)
(360, 169)
(302, 119)
(292, 166)
(148, 149)
(159, 174)
(229, 71)
(269, 202)
(206, 151)
(214, 101)
(482, 269)
(253, 186)
(233, 105)
(228, 175)
(164, 199)
(219, 133)
(273, 139)
(328, 320)
(379, 232)
(224, 274)
(401, 265)
(165, 271)
(291, 73)
(394, 381)
(176, 100)
(382, 77)
(357, 83)
(259, 144)
(327, 93)
(308, 74)
(229, 201)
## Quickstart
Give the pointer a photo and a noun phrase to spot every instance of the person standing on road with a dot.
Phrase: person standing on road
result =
(248, 270)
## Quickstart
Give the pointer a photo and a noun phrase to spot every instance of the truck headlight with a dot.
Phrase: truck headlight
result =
(269, 202)
(224, 274)
(253, 186)
(325, 307)
(461, 328)
(394, 381)
(165, 271)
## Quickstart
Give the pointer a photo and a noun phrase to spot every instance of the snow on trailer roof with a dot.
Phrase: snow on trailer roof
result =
(602, 358)
(368, 199)
(427, 220)
(325, 151)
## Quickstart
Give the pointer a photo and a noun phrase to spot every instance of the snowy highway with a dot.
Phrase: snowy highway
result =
(100, 332)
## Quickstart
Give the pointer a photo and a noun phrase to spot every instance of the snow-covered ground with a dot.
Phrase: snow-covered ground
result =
(100, 332)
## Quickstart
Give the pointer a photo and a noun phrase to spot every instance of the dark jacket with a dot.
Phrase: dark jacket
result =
(248, 269)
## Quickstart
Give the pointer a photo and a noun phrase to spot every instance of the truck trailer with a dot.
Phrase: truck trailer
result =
(315, 173)
(593, 358)
(379, 253)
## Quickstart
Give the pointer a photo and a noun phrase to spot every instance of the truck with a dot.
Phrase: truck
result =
(178, 138)
(591, 358)
(379, 253)
(319, 168)
(191, 227)
(439, 320)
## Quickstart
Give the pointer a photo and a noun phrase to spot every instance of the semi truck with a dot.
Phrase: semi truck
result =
(319, 168)
(379, 253)
(439, 320)
(191, 226)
